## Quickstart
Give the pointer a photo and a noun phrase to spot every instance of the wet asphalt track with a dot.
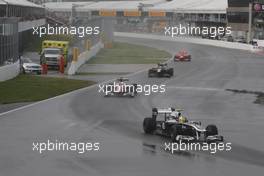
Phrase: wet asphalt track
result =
(86, 116)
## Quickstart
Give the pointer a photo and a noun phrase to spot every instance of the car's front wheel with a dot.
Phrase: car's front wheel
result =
(171, 72)
(211, 130)
(149, 125)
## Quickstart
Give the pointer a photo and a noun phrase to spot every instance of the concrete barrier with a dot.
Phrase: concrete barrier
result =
(84, 57)
(9, 71)
(217, 43)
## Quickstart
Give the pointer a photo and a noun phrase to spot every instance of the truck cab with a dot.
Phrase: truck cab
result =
(52, 56)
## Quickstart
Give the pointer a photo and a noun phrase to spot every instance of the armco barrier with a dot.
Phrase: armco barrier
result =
(9, 71)
(217, 43)
(84, 57)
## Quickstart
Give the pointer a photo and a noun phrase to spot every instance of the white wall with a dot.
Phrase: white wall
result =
(84, 57)
(217, 43)
(9, 71)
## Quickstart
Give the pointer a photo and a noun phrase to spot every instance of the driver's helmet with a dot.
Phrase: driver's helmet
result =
(182, 119)
(174, 114)
(120, 79)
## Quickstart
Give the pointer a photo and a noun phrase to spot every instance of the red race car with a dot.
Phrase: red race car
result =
(182, 56)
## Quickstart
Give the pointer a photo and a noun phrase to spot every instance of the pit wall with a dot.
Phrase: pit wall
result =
(217, 43)
(84, 57)
(9, 71)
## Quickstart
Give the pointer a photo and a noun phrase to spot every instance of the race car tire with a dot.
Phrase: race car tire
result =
(108, 87)
(151, 74)
(135, 88)
(155, 110)
(211, 130)
(176, 59)
(174, 133)
(171, 71)
(149, 125)
(221, 139)
(132, 94)
(168, 75)
(132, 89)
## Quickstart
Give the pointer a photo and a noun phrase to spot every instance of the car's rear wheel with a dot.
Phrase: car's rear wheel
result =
(150, 74)
(171, 71)
(174, 133)
(211, 130)
(149, 125)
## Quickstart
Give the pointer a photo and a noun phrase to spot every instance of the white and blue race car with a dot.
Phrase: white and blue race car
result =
(170, 122)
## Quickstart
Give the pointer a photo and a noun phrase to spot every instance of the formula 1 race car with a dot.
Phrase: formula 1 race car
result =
(170, 122)
(121, 87)
(161, 71)
(182, 56)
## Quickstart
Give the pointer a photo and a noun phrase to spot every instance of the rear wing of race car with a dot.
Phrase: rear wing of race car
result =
(122, 79)
(162, 64)
(165, 110)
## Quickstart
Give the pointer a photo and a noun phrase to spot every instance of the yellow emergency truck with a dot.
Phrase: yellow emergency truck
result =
(52, 51)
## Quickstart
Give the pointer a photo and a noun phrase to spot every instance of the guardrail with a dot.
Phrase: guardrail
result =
(217, 43)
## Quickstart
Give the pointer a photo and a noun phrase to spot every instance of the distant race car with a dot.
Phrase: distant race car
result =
(170, 122)
(182, 56)
(27, 66)
(121, 87)
(162, 70)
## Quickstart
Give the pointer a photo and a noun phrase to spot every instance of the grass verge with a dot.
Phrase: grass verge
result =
(124, 53)
(29, 88)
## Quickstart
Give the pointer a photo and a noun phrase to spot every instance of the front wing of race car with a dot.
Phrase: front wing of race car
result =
(208, 139)
(160, 72)
(214, 138)
(126, 90)
(182, 58)
(121, 94)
